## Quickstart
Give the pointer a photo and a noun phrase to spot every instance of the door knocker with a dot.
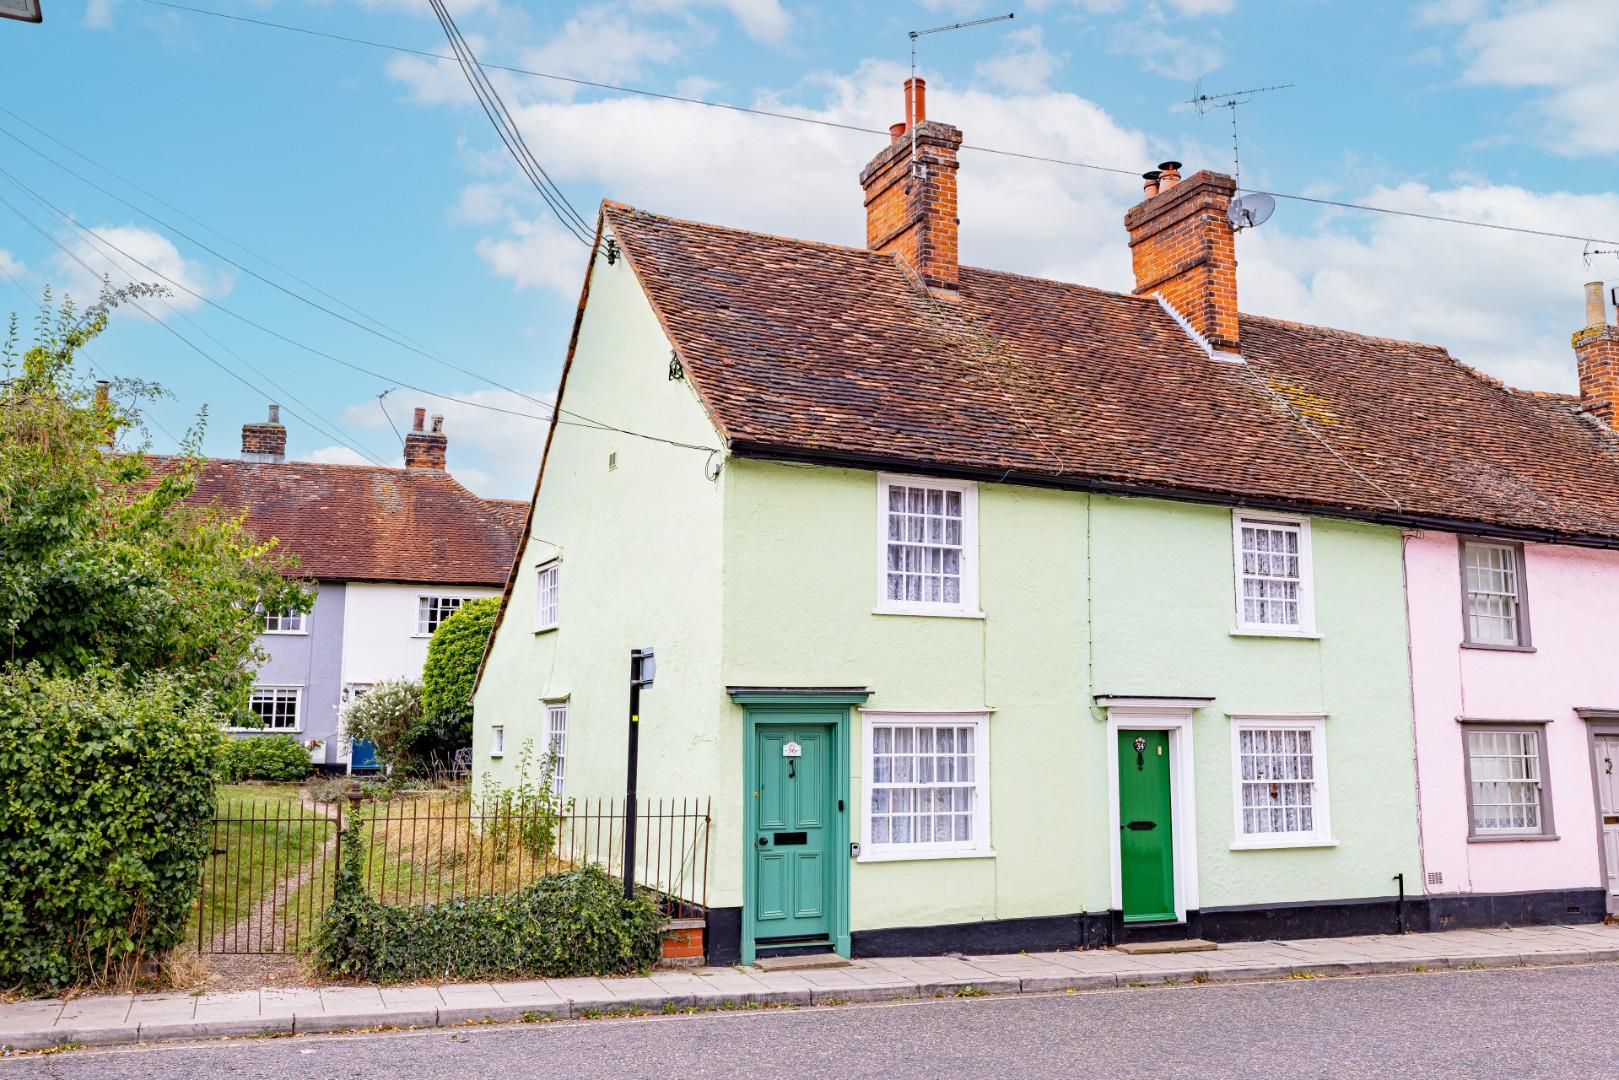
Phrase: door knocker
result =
(792, 768)
(1141, 748)
(1610, 765)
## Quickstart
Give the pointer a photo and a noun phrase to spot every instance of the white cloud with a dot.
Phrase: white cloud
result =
(342, 455)
(1025, 64)
(1504, 303)
(603, 43)
(763, 20)
(801, 180)
(98, 14)
(1174, 56)
(1563, 48)
(1449, 12)
(117, 252)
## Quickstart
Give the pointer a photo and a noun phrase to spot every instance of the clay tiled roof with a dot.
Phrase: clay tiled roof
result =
(365, 523)
(817, 352)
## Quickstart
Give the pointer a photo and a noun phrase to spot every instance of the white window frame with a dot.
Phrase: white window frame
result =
(553, 709)
(967, 607)
(460, 599)
(977, 848)
(1306, 624)
(553, 569)
(281, 618)
(1321, 795)
(497, 740)
(297, 705)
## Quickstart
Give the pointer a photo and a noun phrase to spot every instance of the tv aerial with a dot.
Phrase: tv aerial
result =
(1230, 99)
(910, 87)
(1592, 251)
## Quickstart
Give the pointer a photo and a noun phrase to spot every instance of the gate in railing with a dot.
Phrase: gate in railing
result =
(273, 862)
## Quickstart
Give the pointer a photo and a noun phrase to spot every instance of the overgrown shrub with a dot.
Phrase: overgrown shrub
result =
(387, 716)
(569, 924)
(453, 656)
(265, 757)
(106, 790)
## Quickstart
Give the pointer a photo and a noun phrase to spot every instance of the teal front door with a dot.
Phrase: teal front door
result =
(1146, 832)
(794, 801)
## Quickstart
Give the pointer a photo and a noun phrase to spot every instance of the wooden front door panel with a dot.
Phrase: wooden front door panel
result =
(1146, 827)
(792, 831)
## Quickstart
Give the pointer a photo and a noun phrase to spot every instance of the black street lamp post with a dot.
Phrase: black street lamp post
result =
(643, 666)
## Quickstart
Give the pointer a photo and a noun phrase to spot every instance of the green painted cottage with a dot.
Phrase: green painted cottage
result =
(992, 613)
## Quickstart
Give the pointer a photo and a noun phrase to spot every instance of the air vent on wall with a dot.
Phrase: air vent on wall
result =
(1436, 877)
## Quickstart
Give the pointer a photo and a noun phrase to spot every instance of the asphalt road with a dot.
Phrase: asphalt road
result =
(1517, 1022)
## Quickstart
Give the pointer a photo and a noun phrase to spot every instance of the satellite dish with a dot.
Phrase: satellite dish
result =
(1251, 210)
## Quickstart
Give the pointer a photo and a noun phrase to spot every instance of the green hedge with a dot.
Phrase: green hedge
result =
(576, 923)
(265, 757)
(106, 791)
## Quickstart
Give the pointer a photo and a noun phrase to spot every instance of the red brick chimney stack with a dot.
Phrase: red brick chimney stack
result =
(1184, 250)
(267, 441)
(911, 211)
(425, 449)
(1596, 349)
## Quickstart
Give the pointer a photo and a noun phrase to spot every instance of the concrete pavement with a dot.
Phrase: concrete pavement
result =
(124, 1018)
(1517, 1022)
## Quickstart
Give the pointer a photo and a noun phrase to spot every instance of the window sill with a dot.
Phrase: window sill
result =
(497, 755)
(1485, 647)
(1276, 632)
(920, 856)
(283, 633)
(264, 731)
(1526, 839)
(940, 613)
(1280, 845)
(538, 630)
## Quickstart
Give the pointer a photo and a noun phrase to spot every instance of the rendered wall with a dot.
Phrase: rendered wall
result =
(799, 591)
(380, 639)
(641, 547)
(1164, 614)
(314, 661)
(1573, 665)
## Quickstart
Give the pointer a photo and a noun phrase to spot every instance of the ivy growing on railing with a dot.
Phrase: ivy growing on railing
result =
(568, 924)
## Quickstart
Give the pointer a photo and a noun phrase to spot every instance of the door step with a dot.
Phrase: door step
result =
(1149, 948)
(801, 962)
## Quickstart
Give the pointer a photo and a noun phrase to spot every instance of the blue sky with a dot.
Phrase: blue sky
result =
(374, 176)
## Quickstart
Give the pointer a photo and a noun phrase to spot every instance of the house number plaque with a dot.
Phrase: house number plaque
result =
(791, 749)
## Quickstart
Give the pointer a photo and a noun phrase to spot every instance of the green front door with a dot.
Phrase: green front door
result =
(793, 821)
(1146, 834)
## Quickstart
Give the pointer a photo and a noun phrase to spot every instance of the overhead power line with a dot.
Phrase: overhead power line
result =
(494, 107)
(70, 253)
(818, 122)
(388, 333)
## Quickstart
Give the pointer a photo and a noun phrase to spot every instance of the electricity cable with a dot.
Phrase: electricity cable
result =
(798, 118)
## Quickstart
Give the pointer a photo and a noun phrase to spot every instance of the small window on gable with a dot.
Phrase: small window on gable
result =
(1275, 591)
(431, 611)
(927, 545)
(497, 740)
(1497, 609)
(556, 741)
(546, 581)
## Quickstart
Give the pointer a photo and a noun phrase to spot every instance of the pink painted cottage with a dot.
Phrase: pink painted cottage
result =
(1515, 684)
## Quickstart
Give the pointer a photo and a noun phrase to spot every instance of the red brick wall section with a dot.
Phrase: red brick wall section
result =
(426, 449)
(917, 217)
(1597, 350)
(264, 439)
(1184, 249)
